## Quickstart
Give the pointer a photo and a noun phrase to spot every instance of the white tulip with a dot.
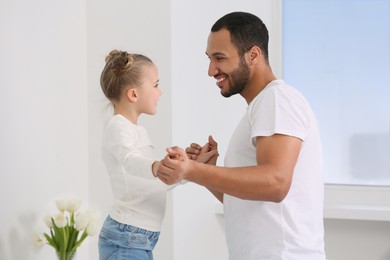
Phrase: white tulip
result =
(81, 220)
(70, 204)
(94, 215)
(60, 220)
(38, 240)
(62, 204)
(47, 220)
(74, 204)
(93, 228)
(68, 216)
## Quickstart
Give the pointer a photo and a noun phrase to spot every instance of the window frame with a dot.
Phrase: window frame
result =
(354, 202)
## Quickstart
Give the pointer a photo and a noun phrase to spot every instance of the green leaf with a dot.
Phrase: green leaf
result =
(59, 235)
(53, 236)
(72, 219)
(73, 238)
(66, 237)
(50, 241)
(83, 236)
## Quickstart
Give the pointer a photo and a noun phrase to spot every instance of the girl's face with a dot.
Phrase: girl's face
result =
(149, 92)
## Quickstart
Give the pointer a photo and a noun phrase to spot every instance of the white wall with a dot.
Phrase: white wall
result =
(52, 110)
(357, 240)
(43, 115)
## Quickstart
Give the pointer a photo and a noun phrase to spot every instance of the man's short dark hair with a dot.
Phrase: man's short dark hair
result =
(246, 30)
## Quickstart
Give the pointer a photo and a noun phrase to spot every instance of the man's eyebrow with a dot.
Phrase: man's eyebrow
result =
(215, 54)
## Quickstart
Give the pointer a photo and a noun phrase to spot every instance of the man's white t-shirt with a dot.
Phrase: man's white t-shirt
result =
(293, 228)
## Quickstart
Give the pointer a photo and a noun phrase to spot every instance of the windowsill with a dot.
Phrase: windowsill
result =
(357, 202)
(353, 202)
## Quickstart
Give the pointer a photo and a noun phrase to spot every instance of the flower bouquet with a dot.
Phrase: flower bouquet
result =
(68, 228)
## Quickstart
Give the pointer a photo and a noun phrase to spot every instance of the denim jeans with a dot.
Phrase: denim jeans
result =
(119, 241)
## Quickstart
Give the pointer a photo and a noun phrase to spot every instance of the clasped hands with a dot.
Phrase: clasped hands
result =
(179, 164)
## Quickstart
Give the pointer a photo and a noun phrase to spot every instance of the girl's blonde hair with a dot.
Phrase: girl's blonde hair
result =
(122, 70)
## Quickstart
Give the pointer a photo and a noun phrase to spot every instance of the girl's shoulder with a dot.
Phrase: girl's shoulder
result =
(119, 125)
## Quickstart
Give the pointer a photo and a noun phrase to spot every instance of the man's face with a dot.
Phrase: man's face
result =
(226, 66)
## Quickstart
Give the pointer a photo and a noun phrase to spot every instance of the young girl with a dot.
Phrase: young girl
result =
(130, 82)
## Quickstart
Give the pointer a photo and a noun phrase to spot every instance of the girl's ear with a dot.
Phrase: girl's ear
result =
(132, 95)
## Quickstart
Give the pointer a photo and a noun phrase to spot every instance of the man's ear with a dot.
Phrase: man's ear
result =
(132, 95)
(254, 54)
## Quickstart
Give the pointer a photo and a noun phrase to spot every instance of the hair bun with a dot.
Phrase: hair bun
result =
(120, 60)
(122, 70)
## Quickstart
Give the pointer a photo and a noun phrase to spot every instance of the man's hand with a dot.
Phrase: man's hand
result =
(172, 168)
(206, 154)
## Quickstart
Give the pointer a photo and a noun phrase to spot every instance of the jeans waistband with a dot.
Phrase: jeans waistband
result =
(128, 236)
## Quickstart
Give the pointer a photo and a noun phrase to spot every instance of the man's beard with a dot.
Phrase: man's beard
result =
(238, 78)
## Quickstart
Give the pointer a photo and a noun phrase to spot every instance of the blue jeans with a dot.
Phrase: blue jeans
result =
(119, 241)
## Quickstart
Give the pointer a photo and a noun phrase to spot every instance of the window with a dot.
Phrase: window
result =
(338, 54)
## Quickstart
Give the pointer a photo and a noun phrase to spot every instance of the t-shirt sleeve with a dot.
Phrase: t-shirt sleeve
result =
(279, 112)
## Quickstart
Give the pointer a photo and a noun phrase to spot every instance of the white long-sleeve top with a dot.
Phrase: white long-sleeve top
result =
(139, 199)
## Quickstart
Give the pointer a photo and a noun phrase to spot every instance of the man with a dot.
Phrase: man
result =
(272, 184)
